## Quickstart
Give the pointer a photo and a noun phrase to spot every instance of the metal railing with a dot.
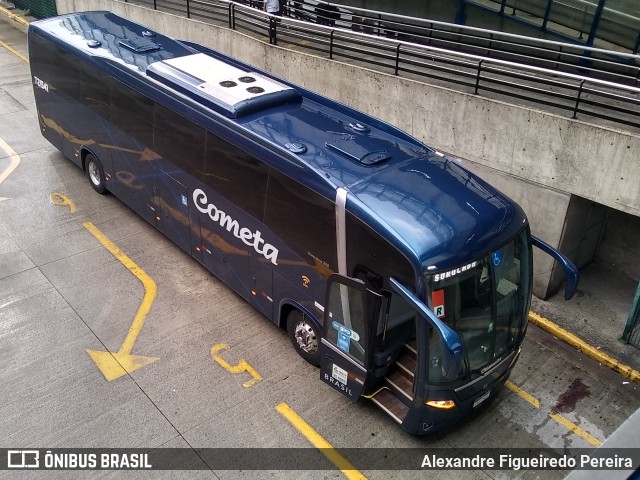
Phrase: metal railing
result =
(618, 67)
(608, 20)
(561, 92)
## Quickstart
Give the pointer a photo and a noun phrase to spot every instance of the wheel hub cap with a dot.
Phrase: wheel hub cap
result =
(306, 338)
(94, 173)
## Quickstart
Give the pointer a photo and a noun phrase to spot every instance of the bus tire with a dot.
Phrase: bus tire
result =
(95, 173)
(305, 336)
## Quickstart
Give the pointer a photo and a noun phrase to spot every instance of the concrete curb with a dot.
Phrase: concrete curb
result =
(584, 347)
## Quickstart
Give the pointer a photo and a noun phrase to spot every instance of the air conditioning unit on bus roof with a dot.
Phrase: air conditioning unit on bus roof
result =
(221, 86)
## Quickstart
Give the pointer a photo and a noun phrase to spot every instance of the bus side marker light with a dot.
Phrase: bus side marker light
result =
(441, 404)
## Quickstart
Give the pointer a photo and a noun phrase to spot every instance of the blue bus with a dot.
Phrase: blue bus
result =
(403, 276)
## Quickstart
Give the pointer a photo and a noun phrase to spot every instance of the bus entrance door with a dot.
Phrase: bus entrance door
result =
(351, 316)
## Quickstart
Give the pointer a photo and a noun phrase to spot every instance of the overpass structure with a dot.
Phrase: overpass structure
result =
(567, 173)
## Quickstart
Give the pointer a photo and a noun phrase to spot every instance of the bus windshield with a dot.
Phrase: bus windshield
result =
(486, 302)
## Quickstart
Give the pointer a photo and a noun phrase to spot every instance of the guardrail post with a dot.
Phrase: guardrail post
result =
(232, 16)
(596, 22)
(575, 110)
(634, 317)
(188, 10)
(461, 16)
(155, 7)
(559, 57)
(331, 44)
(478, 76)
(398, 58)
(547, 11)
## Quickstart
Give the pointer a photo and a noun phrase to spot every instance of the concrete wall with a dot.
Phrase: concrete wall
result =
(584, 223)
(620, 247)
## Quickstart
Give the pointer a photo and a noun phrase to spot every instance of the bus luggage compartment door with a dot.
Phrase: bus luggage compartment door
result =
(351, 314)
(172, 210)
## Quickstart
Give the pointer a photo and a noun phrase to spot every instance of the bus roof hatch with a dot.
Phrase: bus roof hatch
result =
(218, 85)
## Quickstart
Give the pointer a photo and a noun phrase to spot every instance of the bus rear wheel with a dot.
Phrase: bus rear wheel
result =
(95, 173)
(304, 336)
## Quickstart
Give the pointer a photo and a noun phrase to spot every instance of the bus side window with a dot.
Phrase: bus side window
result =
(69, 80)
(303, 219)
(236, 175)
(178, 140)
(368, 251)
(95, 91)
(133, 114)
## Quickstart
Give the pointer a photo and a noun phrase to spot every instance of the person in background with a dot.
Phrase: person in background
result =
(272, 7)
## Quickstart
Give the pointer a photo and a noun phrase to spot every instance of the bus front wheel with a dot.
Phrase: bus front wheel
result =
(304, 336)
(95, 173)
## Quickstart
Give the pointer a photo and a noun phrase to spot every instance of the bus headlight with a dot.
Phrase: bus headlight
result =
(441, 404)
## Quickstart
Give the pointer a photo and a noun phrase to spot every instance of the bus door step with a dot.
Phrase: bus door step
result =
(400, 382)
(407, 362)
(391, 404)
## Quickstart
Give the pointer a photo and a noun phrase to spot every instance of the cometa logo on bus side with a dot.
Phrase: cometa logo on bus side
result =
(253, 239)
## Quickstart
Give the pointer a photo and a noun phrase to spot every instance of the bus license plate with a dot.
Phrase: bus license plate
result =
(481, 399)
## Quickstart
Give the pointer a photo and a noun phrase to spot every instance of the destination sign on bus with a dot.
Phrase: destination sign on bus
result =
(451, 273)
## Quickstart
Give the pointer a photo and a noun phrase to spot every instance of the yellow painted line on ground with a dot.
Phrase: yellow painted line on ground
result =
(319, 442)
(576, 429)
(522, 394)
(14, 16)
(241, 367)
(115, 365)
(14, 51)
(14, 161)
(584, 347)
(568, 424)
(62, 200)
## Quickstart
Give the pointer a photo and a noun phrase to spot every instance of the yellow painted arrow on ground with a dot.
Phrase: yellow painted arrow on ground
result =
(116, 365)
(14, 161)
